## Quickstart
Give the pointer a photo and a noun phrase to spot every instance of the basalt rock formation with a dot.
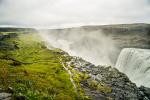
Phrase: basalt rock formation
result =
(107, 83)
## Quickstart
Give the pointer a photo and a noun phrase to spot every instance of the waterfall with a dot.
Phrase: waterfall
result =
(136, 64)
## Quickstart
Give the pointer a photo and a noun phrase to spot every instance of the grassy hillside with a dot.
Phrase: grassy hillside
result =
(33, 71)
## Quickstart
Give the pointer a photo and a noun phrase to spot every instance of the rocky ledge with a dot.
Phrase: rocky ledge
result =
(107, 83)
(5, 96)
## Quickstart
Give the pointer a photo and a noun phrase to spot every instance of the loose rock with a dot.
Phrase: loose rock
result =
(5, 96)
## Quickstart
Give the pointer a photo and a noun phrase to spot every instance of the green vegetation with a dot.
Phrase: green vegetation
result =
(33, 71)
(78, 77)
(100, 87)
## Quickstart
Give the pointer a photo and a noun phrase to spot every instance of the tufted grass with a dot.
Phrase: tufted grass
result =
(34, 71)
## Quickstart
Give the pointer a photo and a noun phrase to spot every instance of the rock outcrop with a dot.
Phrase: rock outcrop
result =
(108, 83)
(5, 96)
(6, 36)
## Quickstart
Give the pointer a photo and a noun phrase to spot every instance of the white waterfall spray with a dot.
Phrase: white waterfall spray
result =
(136, 64)
(94, 46)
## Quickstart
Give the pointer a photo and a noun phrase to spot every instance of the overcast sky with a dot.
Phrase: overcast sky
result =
(67, 13)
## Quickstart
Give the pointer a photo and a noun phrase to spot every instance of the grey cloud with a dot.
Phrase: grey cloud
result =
(65, 13)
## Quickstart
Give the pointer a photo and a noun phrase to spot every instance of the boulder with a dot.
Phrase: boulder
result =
(5, 96)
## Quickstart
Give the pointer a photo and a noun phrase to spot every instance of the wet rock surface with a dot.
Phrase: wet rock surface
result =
(7, 36)
(8, 45)
(107, 83)
(5, 96)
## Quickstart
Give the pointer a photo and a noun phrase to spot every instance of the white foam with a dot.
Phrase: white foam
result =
(136, 64)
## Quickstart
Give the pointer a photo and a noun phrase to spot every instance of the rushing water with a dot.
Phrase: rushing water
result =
(136, 64)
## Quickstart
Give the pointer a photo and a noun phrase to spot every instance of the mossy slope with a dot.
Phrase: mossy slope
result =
(32, 70)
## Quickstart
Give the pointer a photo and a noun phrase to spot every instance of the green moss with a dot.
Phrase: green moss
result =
(34, 71)
(93, 84)
(103, 88)
(100, 87)
(78, 77)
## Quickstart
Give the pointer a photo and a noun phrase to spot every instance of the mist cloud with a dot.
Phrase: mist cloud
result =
(65, 13)
(94, 46)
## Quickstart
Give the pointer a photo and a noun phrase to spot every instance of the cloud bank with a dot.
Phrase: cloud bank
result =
(66, 13)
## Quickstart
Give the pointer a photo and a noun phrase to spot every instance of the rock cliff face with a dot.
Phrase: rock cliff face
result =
(107, 83)
(7, 36)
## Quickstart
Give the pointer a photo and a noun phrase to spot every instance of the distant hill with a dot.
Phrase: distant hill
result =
(11, 29)
(115, 29)
(120, 36)
(125, 35)
(109, 29)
